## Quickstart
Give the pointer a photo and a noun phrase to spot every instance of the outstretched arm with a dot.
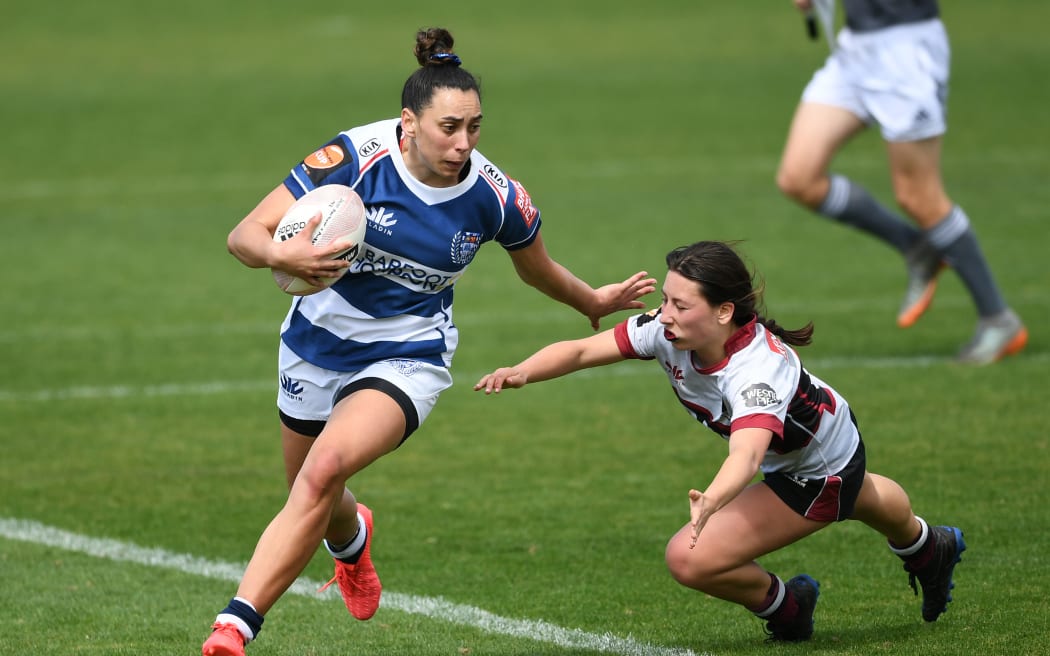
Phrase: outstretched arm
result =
(747, 447)
(553, 361)
(536, 268)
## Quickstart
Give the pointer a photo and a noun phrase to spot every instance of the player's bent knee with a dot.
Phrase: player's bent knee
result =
(693, 568)
(799, 188)
(321, 477)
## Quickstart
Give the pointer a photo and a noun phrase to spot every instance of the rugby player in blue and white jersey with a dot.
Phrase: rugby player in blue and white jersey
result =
(363, 362)
(889, 67)
(735, 372)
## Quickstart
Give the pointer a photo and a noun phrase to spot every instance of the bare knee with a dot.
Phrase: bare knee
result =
(692, 568)
(805, 189)
(321, 479)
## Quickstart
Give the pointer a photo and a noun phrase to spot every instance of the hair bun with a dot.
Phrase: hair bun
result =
(434, 48)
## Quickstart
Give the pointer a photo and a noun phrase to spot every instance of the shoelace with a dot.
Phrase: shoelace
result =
(349, 580)
(911, 582)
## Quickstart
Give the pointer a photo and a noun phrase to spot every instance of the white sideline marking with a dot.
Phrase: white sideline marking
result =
(126, 391)
(433, 607)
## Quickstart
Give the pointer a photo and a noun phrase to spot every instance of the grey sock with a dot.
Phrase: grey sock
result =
(849, 203)
(954, 238)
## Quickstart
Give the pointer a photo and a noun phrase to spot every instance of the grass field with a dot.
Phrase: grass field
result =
(140, 452)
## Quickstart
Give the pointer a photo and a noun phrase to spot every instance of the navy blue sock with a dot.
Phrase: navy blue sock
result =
(351, 551)
(249, 618)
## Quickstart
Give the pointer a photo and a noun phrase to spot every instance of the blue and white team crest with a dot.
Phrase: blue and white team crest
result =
(465, 246)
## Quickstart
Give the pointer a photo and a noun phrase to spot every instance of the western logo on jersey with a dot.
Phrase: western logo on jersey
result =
(524, 203)
(759, 395)
(323, 161)
(464, 246)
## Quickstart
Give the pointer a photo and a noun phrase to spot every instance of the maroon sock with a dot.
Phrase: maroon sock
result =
(788, 608)
(922, 557)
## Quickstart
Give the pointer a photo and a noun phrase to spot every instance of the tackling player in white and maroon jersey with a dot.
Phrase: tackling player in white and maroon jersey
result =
(736, 372)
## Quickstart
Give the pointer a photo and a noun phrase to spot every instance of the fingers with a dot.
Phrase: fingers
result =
(615, 297)
(339, 246)
(640, 284)
(490, 384)
(325, 269)
(495, 382)
(696, 513)
(307, 233)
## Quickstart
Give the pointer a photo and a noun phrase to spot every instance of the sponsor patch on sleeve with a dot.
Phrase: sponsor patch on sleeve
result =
(321, 163)
(524, 203)
(759, 395)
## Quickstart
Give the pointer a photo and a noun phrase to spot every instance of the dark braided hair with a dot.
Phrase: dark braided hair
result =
(440, 68)
(723, 277)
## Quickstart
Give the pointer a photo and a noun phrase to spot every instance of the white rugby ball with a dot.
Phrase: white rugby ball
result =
(342, 219)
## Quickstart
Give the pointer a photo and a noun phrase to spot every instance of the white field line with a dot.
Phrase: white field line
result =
(467, 320)
(432, 607)
(87, 392)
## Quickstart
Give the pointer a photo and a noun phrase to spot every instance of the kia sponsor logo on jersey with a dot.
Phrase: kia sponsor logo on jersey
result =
(492, 173)
(369, 148)
(759, 395)
(524, 203)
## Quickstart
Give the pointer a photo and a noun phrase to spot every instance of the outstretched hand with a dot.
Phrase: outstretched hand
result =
(500, 378)
(698, 514)
(619, 296)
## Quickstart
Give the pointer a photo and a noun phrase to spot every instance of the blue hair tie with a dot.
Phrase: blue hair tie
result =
(446, 58)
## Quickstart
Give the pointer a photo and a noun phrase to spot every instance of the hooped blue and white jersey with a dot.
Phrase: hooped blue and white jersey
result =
(395, 300)
(761, 383)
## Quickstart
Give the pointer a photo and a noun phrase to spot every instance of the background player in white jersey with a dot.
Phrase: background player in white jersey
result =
(735, 371)
(890, 67)
(363, 362)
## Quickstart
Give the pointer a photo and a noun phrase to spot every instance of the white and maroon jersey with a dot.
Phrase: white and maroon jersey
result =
(395, 300)
(761, 383)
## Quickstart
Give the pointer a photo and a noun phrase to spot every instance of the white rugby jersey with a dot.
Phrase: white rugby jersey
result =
(761, 383)
(395, 301)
